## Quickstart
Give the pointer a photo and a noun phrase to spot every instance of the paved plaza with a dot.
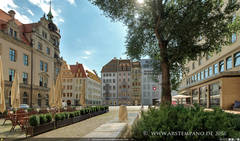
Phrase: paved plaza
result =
(77, 130)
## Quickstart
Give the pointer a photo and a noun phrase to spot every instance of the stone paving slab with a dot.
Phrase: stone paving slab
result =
(108, 127)
(108, 130)
(114, 128)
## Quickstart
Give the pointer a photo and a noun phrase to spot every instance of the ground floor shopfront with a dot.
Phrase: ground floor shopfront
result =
(221, 91)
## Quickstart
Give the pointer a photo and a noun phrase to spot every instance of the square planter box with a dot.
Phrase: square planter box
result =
(64, 122)
(33, 131)
(76, 119)
(83, 117)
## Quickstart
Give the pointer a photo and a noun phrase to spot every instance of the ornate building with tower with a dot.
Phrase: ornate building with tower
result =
(32, 51)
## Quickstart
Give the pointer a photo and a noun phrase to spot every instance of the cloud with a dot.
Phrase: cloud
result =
(30, 12)
(71, 1)
(45, 5)
(7, 5)
(85, 57)
(88, 52)
(61, 20)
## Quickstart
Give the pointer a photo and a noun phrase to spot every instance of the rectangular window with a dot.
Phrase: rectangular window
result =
(202, 75)
(48, 50)
(45, 67)
(206, 73)
(25, 60)
(12, 55)
(221, 66)
(198, 76)
(11, 74)
(214, 95)
(203, 96)
(195, 96)
(41, 65)
(25, 78)
(45, 83)
(210, 71)
(39, 46)
(229, 63)
(44, 34)
(57, 70)
(15, 34)
(41, 81)
(236, 59)
(11, 32)
(215, 67)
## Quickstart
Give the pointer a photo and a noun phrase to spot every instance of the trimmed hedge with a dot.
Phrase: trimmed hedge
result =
(167, 122)
(36, 120)
(42, 119)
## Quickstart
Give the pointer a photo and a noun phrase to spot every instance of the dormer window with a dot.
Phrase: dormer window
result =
(44, 34)
(13, 33)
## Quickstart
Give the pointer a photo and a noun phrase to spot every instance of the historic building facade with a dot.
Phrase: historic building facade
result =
(32, 51)
(79, 80)
(136, 77)
(109, 86)
(68, 94)
(125, 82)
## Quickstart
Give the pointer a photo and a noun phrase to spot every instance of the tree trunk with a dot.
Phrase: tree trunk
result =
(164, 64)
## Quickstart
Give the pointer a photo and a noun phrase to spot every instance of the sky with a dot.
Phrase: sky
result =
(87, 36)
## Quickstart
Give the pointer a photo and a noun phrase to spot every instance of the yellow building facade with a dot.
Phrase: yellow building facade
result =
(32, 51)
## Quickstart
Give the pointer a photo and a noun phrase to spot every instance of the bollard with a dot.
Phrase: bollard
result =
(123, 114)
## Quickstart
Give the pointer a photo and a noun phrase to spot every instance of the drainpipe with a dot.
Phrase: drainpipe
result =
(31, 86)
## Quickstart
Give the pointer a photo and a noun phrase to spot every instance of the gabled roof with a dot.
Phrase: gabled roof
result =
(23, 28)
(77, 69)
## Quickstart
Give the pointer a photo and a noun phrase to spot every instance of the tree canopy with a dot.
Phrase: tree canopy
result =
(173, 31)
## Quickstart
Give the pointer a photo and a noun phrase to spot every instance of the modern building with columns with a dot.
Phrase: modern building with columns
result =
(214, 80)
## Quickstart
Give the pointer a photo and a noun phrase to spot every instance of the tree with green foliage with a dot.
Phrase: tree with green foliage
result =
(170, 30)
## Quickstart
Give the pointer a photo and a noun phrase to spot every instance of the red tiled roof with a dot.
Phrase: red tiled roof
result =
(23, 28)
(75, 68)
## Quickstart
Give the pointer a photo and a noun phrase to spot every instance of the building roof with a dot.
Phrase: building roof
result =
(110, 66)
(77, 70)
(23, 28)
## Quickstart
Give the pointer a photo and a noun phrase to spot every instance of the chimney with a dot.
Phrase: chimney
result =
(11, 13)
(76, 63)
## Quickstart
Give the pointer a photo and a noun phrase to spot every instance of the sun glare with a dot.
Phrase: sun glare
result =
(140, 1)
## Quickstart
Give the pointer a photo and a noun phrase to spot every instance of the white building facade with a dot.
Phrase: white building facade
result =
(151, 90)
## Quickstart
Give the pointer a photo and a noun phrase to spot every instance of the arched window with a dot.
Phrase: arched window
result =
(39, 100)
(25, 98)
